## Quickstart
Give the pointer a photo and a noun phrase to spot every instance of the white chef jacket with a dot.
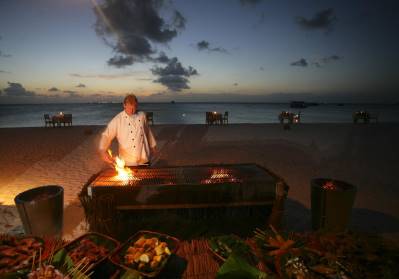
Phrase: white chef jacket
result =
(134, 137)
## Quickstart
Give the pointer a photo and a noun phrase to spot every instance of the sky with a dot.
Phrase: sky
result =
(202, 51)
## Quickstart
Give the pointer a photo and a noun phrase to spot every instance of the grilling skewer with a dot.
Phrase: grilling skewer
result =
(33, 261)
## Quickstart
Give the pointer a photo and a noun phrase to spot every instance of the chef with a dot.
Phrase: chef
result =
(135, 139)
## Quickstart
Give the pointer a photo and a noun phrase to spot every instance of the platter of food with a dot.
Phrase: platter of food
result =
(223, 246)
(17, 253)
(90, 250)
(145, 252)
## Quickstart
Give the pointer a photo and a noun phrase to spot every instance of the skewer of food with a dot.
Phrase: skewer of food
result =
(17, 253)
(47, 272)
(89, 251)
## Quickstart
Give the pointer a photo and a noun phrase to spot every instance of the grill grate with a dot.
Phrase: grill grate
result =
(181, 176)
(220, 198)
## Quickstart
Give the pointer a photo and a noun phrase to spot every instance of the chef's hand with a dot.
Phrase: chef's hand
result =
(106, 157)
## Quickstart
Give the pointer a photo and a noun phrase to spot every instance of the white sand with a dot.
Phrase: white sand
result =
(364, 155)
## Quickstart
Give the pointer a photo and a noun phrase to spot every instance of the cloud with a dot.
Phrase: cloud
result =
(4, 72)
(174, 67)
(162, 58)
(71, 93)
(120, 61)
(179, 20)
(15, 89)
(235, 84)
(53, 89)
(261, 68)
(174, 83)
(5, 55)
(102, 76)
(331, 58)
(323, 20)
(204, 45)
(81, 85)
(15, 93)
(317, 63)
(250, 2)
(301, 63)
(131, 27)
(174, 76)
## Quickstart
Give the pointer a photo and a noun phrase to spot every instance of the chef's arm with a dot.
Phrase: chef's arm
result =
(106, 138)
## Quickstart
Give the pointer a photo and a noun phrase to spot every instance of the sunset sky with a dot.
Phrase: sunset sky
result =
(224, 50)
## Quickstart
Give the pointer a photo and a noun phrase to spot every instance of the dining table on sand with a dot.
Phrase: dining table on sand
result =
(61, 119)
(213, 117)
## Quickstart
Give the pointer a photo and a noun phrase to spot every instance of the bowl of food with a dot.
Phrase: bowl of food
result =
(145, 252)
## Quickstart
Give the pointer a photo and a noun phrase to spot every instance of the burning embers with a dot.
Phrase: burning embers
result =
(190, 175)
(220, 175)
(124, 173)
(330, 185)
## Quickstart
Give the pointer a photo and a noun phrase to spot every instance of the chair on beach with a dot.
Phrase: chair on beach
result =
(296, 118)
(291, 117)
(67, 120)
(365, 116)
(213, 117)
(150, 117)
(225, 118)
(48, 121)
(56, 119)
(208, 117)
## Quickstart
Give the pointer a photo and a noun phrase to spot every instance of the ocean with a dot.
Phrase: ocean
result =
(191, 113)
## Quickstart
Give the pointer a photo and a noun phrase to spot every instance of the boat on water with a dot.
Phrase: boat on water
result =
(298, 104)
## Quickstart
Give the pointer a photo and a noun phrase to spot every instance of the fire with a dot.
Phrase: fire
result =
(329, 185)
(220, 176)
(124, 173)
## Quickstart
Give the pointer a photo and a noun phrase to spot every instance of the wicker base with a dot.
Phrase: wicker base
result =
(108, 211)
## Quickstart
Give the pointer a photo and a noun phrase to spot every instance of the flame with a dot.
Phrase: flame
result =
(329, 185)
(220, 176)
(124, 173)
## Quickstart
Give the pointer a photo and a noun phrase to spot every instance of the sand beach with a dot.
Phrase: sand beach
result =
(364, 155)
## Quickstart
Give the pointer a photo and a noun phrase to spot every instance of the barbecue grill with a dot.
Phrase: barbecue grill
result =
(205, 192)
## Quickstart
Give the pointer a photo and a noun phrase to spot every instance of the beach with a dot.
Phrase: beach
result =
(363, 155)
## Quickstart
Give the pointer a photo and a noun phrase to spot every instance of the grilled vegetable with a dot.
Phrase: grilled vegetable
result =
(147, 254)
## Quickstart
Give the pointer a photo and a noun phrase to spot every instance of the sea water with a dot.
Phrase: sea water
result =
(32, 115)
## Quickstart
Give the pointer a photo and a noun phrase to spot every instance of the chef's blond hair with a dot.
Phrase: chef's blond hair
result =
(131, 98)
